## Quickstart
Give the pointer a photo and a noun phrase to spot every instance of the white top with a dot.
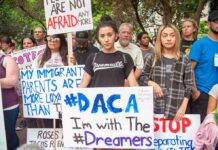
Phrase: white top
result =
(134, 51)
(214, 92)
(54, 61)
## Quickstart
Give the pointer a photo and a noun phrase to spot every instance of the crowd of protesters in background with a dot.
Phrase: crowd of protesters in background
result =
(182, 70)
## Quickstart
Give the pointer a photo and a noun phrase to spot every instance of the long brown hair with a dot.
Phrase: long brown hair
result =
(158, 48)
(63, 51)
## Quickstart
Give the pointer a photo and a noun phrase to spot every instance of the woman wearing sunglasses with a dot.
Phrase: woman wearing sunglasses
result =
(55, 55)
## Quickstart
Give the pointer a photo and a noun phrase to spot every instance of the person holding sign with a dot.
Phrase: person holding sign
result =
(9, 74)
(55, 55)
(170, 74)
(26, 42)
(109, 67)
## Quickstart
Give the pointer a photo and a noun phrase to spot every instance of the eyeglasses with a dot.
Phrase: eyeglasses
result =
(52, 39)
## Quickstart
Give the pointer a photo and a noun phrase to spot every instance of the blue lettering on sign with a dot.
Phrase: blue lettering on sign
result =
(33, 98)
(38, 98)
(40, 109)
(50, 73)
(26, 74)
(68, 83)
(82, 101)
(53, 98)
(99, 102)
(178, 141)
(110, 101)
(37, 86)
(74, 71)
(132, 103)
(60, 72)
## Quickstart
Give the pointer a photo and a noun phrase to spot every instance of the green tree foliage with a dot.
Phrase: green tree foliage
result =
(19, 17)
(15, 22)
(202, 29)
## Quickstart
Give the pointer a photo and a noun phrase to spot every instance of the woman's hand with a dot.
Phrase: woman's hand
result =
(182, 109)
(71, 60)
(157, 89)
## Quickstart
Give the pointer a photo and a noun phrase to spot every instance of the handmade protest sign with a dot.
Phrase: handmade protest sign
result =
(24, 58)
(44, 137)
(3, 143)
(42, 89)
(174, 135)
(63, 16)
(120, 117)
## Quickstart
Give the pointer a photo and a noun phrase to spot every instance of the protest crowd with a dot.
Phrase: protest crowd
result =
(181, 69)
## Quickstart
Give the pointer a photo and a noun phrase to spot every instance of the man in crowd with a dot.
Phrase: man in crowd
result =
(39, 35)
(144, 42)
(83, 48)
(204, 59)
(124, 44)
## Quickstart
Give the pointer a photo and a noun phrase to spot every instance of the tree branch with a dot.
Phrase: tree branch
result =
(135, 7)
(21, 4)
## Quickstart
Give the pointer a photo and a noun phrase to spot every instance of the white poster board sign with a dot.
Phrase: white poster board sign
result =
(175, 135)
(24, 58)
(108, 117)
(42, 89)
(68, 16)
(3, 143)
(44, 138)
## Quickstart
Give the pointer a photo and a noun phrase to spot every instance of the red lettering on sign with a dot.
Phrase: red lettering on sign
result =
(60, 22)
(166, 125)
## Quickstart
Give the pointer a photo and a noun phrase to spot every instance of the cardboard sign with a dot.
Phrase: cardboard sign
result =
(24, 58)
(108, 117)
(174, 135)
(42, 89)
(68, 16)
(3, 143)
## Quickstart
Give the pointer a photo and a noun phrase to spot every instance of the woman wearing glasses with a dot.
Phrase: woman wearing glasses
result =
(55, 55)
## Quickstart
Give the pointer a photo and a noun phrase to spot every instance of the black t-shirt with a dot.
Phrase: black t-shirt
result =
(108, 69)
(185, 46)
(81, 55)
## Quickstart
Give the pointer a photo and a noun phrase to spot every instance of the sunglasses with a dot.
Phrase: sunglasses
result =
(53, 39)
